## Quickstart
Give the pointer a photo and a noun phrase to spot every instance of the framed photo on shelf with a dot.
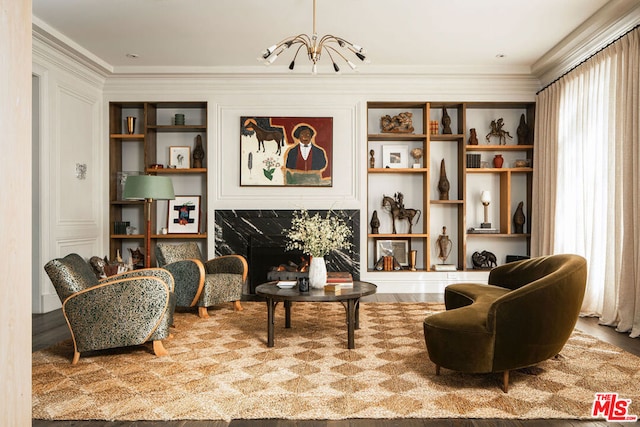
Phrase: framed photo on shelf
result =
(395, 156)
(184, 215)
(180, 157)
(398, 248)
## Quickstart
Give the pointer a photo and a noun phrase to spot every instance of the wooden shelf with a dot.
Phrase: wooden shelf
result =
(398, 170)
(510, 183)
(180, 128)
(126, 136)
(161, 171)
(498, 170)
(401, 137)
(499, 147)
(179, 236)
(151, 140)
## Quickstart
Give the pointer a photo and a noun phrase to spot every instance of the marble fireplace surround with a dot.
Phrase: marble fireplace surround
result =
(257, 235)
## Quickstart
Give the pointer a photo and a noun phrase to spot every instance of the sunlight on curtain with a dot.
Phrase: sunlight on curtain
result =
(586, 183)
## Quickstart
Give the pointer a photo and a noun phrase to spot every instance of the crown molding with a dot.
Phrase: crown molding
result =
(612, 21)
(59, 43)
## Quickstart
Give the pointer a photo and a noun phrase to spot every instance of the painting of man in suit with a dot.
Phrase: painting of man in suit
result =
(300, 156)
(305, 160)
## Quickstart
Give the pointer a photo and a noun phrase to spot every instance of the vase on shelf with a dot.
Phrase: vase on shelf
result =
(317, 273)
(498, 160)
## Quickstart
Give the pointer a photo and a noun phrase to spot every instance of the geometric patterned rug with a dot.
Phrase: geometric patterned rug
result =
(221, 369)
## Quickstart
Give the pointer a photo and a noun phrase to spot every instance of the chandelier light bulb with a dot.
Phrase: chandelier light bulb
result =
(485, 197)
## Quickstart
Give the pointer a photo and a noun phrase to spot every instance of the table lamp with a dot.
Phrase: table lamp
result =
(485, 198)
(148, 188)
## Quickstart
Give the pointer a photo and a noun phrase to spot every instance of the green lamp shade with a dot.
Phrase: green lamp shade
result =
(148, 187)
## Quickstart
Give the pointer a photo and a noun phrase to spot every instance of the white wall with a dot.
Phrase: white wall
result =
(343, 97)
(71, 216)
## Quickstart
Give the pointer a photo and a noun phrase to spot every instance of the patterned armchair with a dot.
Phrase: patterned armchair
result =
(203, 283)
(122, 310)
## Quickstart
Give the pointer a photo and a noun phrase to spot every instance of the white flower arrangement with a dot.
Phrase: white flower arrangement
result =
(317, 236)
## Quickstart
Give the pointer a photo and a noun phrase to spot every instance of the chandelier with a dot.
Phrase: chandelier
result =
(333, 45)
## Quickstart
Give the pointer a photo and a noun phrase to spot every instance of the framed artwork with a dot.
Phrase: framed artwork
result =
(395, 156)
(184, 215)
(399, 248)
(286, 151)
(180, 157)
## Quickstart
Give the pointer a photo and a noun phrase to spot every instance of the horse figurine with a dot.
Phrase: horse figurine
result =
(398, 211)
(496, 130)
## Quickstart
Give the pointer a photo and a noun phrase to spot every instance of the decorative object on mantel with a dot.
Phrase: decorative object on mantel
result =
(413, 255)
(317, 236)
(444, 246)
(473, 137)
(395, 205)
(523, 132)
(402, 123)
(375, 223)
(443, 183)
(372, 159)
(131, 125)
(483, 260)
(198, 153)
(433, 127)
(497, 131)
(446, 122)
(417, 154)
(313, 47)
(519, 219)
(485, 199)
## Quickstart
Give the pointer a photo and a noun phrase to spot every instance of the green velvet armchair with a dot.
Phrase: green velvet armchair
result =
(122, 310)
(524, 316)
(203, 283)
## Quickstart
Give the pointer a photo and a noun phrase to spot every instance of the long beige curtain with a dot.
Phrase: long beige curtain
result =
(586, 180)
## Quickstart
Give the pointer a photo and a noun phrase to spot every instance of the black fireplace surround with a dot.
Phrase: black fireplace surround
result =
(257, 235)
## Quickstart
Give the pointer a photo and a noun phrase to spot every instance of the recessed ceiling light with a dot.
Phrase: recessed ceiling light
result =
(501, 55)
(132, 55)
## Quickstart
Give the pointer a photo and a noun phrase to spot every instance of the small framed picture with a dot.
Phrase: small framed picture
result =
(395, 156)
(184, 215)
(180, 157)
(398, 248)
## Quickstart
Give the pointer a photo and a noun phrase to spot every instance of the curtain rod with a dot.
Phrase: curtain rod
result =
(588, 58)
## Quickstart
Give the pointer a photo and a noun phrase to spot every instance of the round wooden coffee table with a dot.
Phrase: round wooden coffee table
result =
(349, 297)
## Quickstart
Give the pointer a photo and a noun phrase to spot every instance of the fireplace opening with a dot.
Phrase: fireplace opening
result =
(267, 253)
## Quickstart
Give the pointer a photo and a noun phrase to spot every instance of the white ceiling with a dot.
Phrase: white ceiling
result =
(228, 35)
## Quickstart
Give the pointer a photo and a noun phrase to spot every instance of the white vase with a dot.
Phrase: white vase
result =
(317, 273)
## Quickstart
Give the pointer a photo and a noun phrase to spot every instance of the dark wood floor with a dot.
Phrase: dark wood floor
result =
(50, 328)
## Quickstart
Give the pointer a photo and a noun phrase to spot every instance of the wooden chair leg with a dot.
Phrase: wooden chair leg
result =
(437, 369)
(505, 381)
(203, 313)
(76, 357)
(237, 306)
(158, 348)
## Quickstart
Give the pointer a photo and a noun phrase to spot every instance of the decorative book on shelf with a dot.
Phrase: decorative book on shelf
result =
(481, 230)
(444, 267)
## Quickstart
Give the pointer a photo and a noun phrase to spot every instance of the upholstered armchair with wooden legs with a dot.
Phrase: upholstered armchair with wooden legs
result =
(524, 316)
(203, 283)
(119, 311)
